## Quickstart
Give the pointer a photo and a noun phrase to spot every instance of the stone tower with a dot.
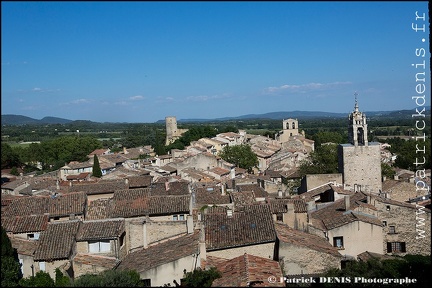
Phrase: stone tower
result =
(360, 160)
(172, 132)
(171, 129)
(290, 128)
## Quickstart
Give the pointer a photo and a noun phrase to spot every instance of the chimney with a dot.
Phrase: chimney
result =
(229, 213)
(202, 245)
(347, 202)
(280, 193)
(124, 150)
(223, 189)
(189, 224)
(126, 181)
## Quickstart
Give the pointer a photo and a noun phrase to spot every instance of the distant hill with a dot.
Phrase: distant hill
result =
(11, 119)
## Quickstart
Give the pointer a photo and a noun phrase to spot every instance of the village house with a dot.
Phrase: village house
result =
(406, 226)
(304, 253)
(165, 263)
(292, 212)
(229, 234)
(52, 253)
(75, 168)
(350, 224)
(100, 245)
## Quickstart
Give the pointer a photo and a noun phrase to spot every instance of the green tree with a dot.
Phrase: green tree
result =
(41, 279)
(387, 171)
(61, 280)
(10, 266)
(97, 172)
(324, 159)
(201, 278)
(240, 155)
(14, 171)
(8, 157)
(110, 278)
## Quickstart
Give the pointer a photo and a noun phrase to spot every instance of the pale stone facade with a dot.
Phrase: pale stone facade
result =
(359, 160)
(172, 132)
(404, 223)
(265, 250)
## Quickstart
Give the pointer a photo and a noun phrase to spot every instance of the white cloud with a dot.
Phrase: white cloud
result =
(202, 98)
(303, 88)
(137, 97)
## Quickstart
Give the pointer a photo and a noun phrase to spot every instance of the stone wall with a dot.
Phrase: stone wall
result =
(408, 222)
(265, 250)
(297, 260)
(361, 165)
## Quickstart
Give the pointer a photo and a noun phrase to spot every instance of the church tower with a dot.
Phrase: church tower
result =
(359, 160)
(357, 130)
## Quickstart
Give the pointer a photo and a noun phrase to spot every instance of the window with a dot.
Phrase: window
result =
(396, 247)
(42, 266)
(384, 223)
(99, 246)
(33, 236)
(338, 242)
(392, 229)
(146, 282)
(388, 207)
(175, 217)
(279, 217)
(181, 217)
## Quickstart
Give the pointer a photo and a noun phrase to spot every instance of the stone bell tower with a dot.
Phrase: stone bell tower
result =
(359, 161)
(357, 130)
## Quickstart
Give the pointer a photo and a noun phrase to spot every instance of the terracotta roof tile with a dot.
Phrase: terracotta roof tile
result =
(161, 253)
(211, 195)
(253, 225)
(335, 215)
(248, 270)
(24, 247)
(57, 241)
(101, 229)
(25, 224)
(292, 236)
(99, 209)
(137, 202)
(280, 205)
(96, 260)
(101, 187)
(59, 205)
(140, 181)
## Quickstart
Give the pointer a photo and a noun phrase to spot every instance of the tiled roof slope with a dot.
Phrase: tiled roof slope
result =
(300, 238)
(161, 253)
(170, 188)
(248, 270)
(99, 209)
(211, 195)
(139, 181)
(24, 224)
(253, 225)
(57, 241)
(101, 229)
(101, 187)
(136, 202)
(334, 215)
(24, 247)
(280, 205)
(255, 188)
(96, 260)
(61, 205)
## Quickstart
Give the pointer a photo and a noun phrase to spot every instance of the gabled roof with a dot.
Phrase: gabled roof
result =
(24, 247)
(137, 202)
(170, 188)
(57, 241)
(55, 205)
(253, 225)
(211, 195)
(255, 188)
(299, 238)
(162, 253)
(335, 215)
(248, 270)
(139, 181)
(100, 187)
(101, 229)
(96, 260)
(25, 224)
(281, 205)
(99, 209)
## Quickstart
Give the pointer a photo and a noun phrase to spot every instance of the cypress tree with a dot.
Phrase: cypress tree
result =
(97, 172)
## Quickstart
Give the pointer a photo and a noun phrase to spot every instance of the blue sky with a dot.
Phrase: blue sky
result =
(139, 62)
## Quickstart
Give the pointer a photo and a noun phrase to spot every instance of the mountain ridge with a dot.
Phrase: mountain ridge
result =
(13, 119)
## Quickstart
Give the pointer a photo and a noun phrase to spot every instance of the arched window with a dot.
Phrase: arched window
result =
(293, 125)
